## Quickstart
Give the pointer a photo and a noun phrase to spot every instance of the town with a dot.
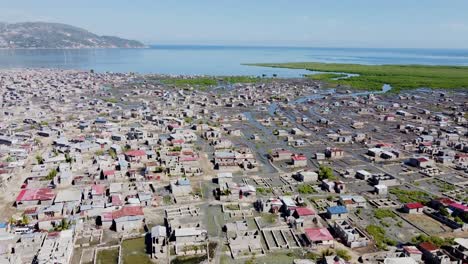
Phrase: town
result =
(132, 168)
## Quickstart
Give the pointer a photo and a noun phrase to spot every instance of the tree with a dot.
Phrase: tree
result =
(444, 211)
(40, 159)
(326, 173)
(51, 175)
(326, 252)
(25, 220)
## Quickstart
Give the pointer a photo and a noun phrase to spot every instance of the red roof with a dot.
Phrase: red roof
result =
(116, 200)
(445, 201)
(108, 172)
(299, 157)
(304, 211)
(42, 194)
(412, 250)
(318, 234)
(98, 189)
(125, 211)
(414, 205)
(423, 159)
(135, 153)
(459, 207)
(428, 246)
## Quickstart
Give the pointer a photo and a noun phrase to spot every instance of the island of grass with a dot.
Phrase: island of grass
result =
(373, 77)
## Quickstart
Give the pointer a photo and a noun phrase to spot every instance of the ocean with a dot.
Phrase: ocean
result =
(218, 60)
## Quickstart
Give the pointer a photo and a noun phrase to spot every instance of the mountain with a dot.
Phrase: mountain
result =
(37, 35)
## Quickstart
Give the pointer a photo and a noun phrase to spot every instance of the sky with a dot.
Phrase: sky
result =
(308, 23)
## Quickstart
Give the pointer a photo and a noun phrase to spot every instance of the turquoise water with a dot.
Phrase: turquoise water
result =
(219, 60)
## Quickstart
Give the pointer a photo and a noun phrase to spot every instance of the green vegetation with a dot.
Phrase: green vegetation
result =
(269, 218)
(232, 207)
(372, 77)
(111, 100)
(383, 213)
(305, 189)
(206, 81)
(189, 260)
(378, 233)
(51, 175)
(408, 196)
(25, 220)
(262, 190)
(188, 120)
(134, 251)
(197, 81)
(39, 159)
(64, 225)
(242, 79)
(176, 149)
(107, 256)
(326, 173)
(99, 152)
(438, 241)
(326, 76)
(112, 153)
(343, 253)
(167, 199)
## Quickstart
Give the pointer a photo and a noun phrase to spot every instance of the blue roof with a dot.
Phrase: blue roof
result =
(3, 225)
(183, 181)
(337, 210)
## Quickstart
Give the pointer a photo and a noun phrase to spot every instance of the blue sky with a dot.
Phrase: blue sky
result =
(327, 23)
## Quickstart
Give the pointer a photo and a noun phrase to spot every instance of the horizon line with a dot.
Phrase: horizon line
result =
(292, 46)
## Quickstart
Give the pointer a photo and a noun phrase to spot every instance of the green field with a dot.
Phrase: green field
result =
(372, 77)
(108, 256)
(134, 251)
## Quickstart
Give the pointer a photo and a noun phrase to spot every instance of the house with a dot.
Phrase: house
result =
(306, 176)
(363, 175)
(413, 208)
(304, 217)
(383, 179)
(334, 186)
(135, 155)
(281, 154)
(289, 205)
(181, 188)
(159, 242)
(412, 252)
(128, 218)
(190, 235)
(31, 197)
(334, 153)
(98, 190)
(351, 236)
(460, 249)
(381, 189)
(319, 236)
(337, 212)
(353, 201)
(298, 160)
(421, 162)
(57, 248)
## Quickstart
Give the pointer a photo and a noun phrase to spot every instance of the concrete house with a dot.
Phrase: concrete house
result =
(337, 212)
(318, 236)
(413, 208)
(159, 242)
